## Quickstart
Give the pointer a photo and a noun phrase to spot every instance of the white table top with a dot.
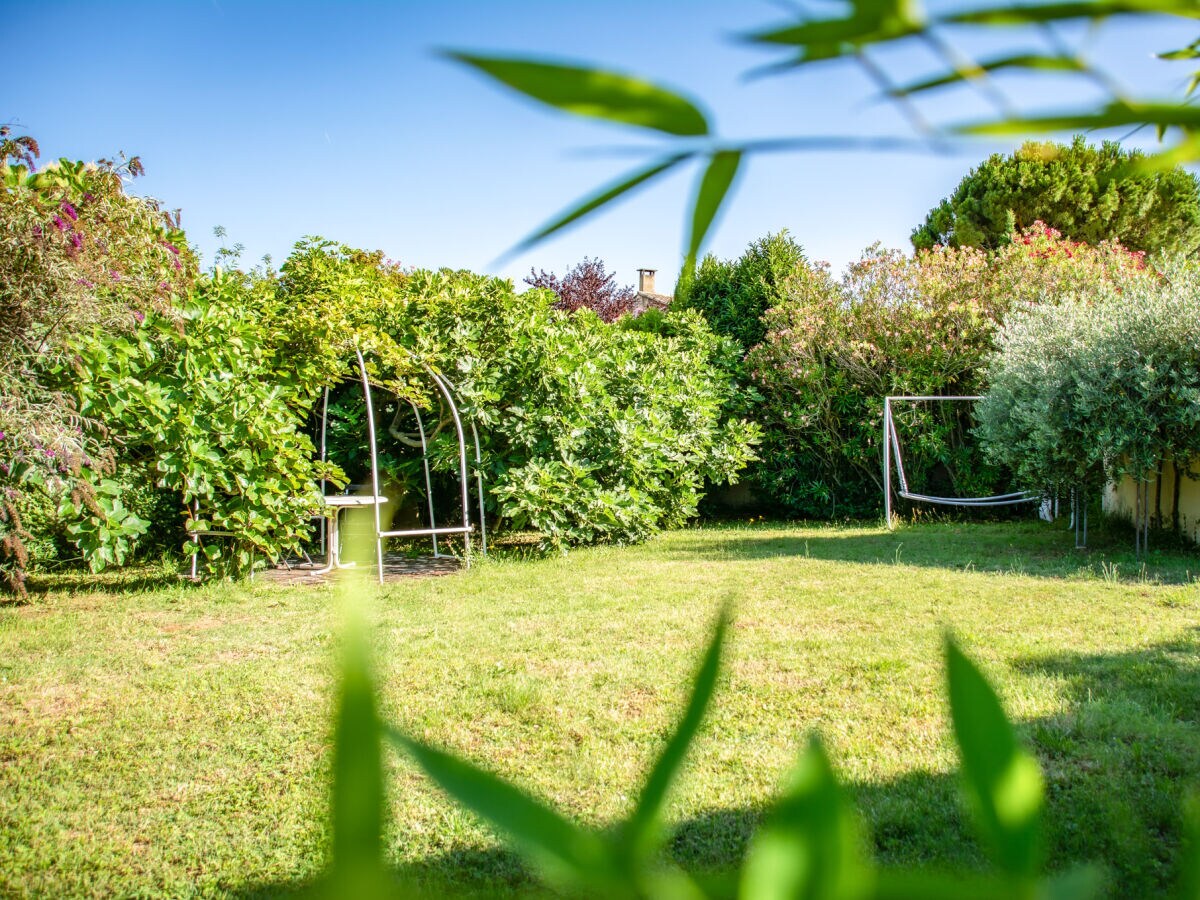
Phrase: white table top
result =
(353, 500)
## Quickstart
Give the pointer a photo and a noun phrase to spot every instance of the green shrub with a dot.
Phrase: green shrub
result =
(733, 295)
(1088, 193)
(896, 325)
(590, 431)
(1104, 385)
(214, 412)
(77, 254)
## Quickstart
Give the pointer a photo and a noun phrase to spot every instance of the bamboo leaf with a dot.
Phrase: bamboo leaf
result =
(1186, 151)
(1002, 781)
(870, 22)
(812, 843)
(641, 832)
(713, 188)
(358, 795)
(1191, 51)
(1040, 13)
(1032, 62)
(594, 93)
(601, 198)
(1114, 115)
(566, 852)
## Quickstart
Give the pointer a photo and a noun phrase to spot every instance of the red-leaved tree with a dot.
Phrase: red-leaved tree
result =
(587, 284)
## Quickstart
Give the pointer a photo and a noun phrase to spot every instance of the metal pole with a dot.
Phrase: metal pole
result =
(478, 475)
(462, 463)
(324, 459)
(887, 462)
(428, 482)
(479, 490)
(362, 370)
(1083, 512)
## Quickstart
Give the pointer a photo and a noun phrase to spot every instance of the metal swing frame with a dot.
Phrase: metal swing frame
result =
(891, 446)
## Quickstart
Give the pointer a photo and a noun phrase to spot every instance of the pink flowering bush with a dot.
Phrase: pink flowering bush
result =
(77, 254)
(902, 325)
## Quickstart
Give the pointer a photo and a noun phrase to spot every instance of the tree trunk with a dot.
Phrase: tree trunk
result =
(1158, 519)
(1175, 498)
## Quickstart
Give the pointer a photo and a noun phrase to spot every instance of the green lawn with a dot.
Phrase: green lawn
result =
(172, 741)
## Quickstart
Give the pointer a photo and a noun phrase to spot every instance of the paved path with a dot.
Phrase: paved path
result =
(395, 568)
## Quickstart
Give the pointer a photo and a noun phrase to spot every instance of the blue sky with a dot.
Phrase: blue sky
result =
(282, 120)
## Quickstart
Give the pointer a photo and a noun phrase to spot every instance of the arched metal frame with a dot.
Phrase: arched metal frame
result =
(336, 503)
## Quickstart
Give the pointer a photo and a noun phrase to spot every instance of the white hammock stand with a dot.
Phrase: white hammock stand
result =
(891, 448)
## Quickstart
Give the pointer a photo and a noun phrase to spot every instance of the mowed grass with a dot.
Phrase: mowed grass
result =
(173, 742)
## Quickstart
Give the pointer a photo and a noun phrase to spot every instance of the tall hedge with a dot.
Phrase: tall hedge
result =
(899, 325)
(733, 295)
(77, 252)
(591, 431)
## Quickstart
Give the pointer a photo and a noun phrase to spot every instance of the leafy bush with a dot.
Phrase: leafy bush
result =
(733, 295)
(77, 253)
(916, 325)
(1089, 194)
(590, 431)
(215, 412)
(1104, 385)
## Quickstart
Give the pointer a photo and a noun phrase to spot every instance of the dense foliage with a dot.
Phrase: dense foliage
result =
(1090, 194)
(587, 286)
(214, 412)
(77, 253)
(1101, 386)
(590, 431)
(733, 294)
(899, 325)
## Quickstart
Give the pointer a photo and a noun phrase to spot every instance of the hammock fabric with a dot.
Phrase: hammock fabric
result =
(996, 500)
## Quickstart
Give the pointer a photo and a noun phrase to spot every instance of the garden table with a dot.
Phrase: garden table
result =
(334, 504)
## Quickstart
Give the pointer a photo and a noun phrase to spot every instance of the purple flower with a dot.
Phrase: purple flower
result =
(69, 210)
(178, 266)
(164, 285)
(1, 435)
(77, 240)
(5, 468)
(116, 276)
(37, 230)
(84, 282)
(60, 224)
(139, 315)
(88, 198)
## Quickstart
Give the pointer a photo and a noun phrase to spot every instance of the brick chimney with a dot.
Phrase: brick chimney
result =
(646, 280)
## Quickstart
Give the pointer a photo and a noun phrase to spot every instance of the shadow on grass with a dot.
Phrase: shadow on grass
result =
(117, 581)
(1117, 763)
(1026, 548)
(460, 872)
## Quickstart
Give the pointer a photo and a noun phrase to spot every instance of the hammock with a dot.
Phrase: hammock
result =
(891, 438)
